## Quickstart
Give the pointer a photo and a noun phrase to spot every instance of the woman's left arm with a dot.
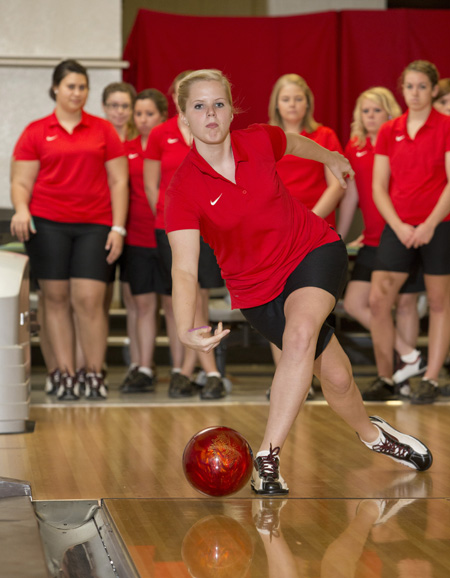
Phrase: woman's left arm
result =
(117, 171)
(424, 232)
(331, 196)
(306, 148)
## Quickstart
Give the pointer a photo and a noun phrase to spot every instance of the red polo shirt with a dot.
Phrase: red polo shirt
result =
(72, 184)
(361, 160)
(167, 145)
(418, 174)
(258, 231)
(141, 220)
(305, 179)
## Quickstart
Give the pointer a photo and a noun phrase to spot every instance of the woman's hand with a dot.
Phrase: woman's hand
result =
(405, 234)
(340, 167)
(200, 338)
(22, 224)
(114, 244)
(422, 235)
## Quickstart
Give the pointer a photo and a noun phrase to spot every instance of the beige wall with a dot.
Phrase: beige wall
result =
(34, 36)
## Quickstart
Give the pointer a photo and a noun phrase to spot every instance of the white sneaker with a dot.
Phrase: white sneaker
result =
(266, 477)
(407, 370)
(400, 447)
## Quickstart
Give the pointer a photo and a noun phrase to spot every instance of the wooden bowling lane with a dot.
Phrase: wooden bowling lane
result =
(285, 538)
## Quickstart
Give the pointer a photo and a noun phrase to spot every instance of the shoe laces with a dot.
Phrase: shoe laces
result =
(392, 447)
(268, 465)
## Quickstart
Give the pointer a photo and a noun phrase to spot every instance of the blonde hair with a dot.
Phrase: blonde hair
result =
(423, 66)
(208, 74)
(309, 123)
(444, 87)
(381, 96)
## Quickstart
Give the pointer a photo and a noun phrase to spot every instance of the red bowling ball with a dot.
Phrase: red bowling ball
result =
(217, 461)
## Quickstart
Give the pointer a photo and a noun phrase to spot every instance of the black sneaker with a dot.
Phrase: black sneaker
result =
(426, 393)
(213, 388)
(66, 388)
(266, 477)
(80, 382)
(401, 447)
(181, 386)
(407, 370)
(95, 386)
(131, 373)
(266, 515)
(403, 389)
(52, 382)
(380, 390)
(141, 383)
(445, 390)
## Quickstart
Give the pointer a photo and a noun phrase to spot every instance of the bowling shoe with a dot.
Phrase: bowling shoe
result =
(266, 477)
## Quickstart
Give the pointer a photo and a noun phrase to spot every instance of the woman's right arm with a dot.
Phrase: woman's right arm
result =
(382, 200)
(152, 177)
(23, 177)
(185, 245)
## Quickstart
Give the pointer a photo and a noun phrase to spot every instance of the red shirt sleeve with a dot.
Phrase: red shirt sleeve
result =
(277, 138)
(382, 144)
(153, 150)
(114, 146)
(25, 149)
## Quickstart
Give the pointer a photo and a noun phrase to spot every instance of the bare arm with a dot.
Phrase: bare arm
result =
(185, 247)
(382, 199)
(152, 177)
(117, 170)
(424, 232)
(331, 196)
(347, 209)
(306, 148)
(23, 177)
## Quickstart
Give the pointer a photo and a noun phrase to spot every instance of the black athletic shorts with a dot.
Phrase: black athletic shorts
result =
(325, 268)
(61, 251)
(365, 264)
(209, 276)
(139, 267)
(393, 256)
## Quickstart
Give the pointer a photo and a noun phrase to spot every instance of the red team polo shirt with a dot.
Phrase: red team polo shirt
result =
(141, 220)
(361, 160)
(167, 145)
(72, 184)
(418, 174)
(258, 231)
(305, 179)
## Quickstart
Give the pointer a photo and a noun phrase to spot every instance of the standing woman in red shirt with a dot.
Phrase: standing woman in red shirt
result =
(291, 107)
(412, 192)
(70, 194)
(442, 102)
(139, 262)
(168, 145)
(284, 267)
(373, 108)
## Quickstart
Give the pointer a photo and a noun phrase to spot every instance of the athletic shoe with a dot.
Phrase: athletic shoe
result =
(95, 386)
(403, 389)
(52, 382)
(181, 386)
(66, 388)
(80, 382)
(445, 390)
(266, 515)
(426, 393)
(141, 383)
(380, 390)
(213, 388)
(400, 447)
(131, 373)
(407, 370)
(266, 477)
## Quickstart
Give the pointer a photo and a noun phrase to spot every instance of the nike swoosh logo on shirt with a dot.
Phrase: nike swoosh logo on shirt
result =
(133, 155)
(49, 138)
(361, 153)
(172, 140)
(400, 137)
(214, 202)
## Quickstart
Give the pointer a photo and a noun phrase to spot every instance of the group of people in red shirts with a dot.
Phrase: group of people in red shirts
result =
(255, 208)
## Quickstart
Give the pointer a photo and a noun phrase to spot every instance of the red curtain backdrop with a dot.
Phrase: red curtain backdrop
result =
(340, 54)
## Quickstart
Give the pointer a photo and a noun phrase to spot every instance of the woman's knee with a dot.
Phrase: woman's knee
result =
(300, 339)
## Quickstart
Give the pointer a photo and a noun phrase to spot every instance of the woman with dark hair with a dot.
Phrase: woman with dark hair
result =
(69, 191)
(140, 276)
(411, 189)
(284, 266)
